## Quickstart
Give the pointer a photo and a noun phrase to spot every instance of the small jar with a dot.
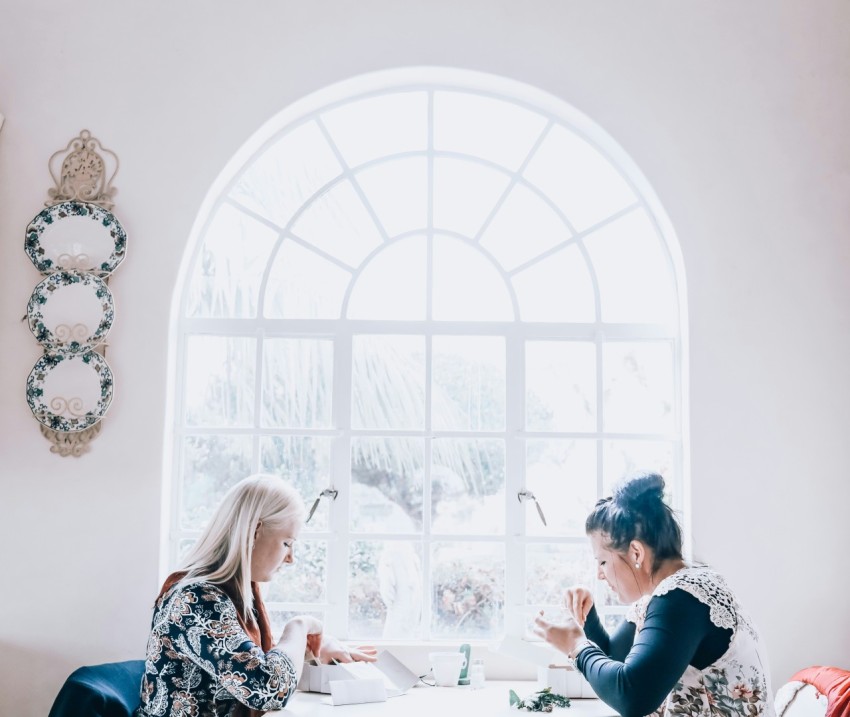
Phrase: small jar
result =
(476, 674)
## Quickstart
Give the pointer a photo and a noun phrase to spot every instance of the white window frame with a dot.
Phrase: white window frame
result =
(515, 333)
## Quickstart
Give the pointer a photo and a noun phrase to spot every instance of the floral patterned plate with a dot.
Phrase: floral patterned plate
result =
(70, 312)
(75, 235)
(69, 392)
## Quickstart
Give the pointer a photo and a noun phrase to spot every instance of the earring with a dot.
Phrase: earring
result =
(637, 565)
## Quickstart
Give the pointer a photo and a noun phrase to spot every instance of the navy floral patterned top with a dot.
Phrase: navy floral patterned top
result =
(200, 661)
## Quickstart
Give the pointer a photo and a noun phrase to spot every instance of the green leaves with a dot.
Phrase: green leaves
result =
(543, 701)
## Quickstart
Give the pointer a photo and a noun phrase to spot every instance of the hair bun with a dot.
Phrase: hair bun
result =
(639, 490)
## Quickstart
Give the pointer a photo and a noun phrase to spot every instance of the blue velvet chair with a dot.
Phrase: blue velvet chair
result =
(109, 690)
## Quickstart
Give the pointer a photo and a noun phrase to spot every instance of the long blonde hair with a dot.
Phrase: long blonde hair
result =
(222, 554)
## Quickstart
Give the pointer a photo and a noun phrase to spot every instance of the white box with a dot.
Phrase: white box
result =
(565, 681)
(397, 679)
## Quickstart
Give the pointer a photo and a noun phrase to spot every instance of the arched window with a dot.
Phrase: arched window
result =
(437, 293)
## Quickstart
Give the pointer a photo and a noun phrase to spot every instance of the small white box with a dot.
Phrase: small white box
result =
(395, 677)
(564, 681)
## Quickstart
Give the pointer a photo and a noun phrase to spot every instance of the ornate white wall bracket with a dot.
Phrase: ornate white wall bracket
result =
(71, 444)
(84, 174)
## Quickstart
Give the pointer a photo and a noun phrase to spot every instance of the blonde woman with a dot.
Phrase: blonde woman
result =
(211, 651)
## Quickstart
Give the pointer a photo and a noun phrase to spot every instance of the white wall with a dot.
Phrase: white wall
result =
(736, 112)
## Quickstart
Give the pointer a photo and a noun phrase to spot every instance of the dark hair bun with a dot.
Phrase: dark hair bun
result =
(637, 511)
(640, 491)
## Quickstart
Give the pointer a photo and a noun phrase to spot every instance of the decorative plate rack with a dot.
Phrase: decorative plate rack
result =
(76, 242)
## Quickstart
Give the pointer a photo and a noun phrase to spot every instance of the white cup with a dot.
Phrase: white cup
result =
(447, 667)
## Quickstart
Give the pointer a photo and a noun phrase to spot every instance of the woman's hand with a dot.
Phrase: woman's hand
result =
(563, 637)
(313, 628)
(301, 634)
(332, 650)
(578, 601)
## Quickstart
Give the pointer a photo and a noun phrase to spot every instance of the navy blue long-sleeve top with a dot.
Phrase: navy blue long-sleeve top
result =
(634, 672)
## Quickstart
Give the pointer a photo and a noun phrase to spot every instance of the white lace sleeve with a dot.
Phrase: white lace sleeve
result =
(637, 611)
(710, 589)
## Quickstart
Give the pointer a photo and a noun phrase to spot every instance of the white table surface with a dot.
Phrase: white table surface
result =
(423, 701)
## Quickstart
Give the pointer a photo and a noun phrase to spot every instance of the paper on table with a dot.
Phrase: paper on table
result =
(352, 692)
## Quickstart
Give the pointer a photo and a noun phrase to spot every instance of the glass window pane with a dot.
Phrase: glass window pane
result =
(338, 224)
(219, 382)
(623, 457)
(468, 383)
(467, 486)
(388, 382)
(485, 127)
(551, 568)
(209, 466)
(562, 475)
(385, 590)
(297, 383)
(578, 178)
(467, 590)
(612, 622)
(227, 272)
(392, 285)
(304, 285)
(304, 461)
(605, 596)
(524, 227)
(467, 285)
(558, 288)
(377, 126)
(560, 386)
(306, 579)
(637, 385)
(635, 275)
(386, 490)
(465, 194)
(398, 192)
(286, 174)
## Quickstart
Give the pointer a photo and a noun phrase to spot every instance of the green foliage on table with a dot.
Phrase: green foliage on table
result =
(543, 701)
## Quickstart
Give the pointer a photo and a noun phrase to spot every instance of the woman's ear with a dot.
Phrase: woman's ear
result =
(257, 529)
(638, 554)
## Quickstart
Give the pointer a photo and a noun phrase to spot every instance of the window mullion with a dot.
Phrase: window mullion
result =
(427, 592)
(514, 481)
(338, 544)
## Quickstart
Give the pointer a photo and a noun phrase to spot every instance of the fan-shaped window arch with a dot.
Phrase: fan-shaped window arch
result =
(436, 292)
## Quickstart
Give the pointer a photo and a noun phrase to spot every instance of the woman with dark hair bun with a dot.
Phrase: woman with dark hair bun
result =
(686, 646)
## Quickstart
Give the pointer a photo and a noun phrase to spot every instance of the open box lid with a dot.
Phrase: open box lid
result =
(397, 678)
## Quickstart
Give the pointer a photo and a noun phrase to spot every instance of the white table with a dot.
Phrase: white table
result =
(423, 701)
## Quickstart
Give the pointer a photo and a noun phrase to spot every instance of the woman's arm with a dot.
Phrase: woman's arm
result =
(616, 645)
(202, 627)
(294, 640)
(675, 626)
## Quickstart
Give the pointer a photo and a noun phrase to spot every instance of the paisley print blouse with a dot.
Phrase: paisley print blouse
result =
(200, 662)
